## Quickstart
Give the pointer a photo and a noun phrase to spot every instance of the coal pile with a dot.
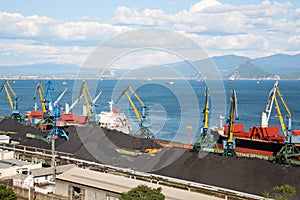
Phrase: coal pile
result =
(9, 125)
(75, 144)
(126, 141)
(99, 145)
(253, 176)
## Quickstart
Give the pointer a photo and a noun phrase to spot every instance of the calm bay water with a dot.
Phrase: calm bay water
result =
(172, 108)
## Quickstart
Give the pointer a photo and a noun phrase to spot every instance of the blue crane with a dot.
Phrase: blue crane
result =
(55, 108)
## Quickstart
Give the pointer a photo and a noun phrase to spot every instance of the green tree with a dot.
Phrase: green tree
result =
(143, 192)
(7, 193)
(282, 192)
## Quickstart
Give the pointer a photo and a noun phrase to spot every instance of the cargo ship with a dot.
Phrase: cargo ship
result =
(114, 120)
(264, 139)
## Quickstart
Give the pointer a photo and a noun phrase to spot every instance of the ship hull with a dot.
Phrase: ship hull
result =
(259, 147)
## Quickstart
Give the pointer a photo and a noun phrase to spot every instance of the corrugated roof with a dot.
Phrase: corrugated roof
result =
(47, 170)
(4, 165)
(4, 137)
(12, 162)
(17, 162)
(119, 184)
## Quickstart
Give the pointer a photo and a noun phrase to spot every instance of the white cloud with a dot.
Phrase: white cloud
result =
(231, 42)
(214, 17)
(17, 25)
(144, 58)
(20, 52)
(147, 17)
(255, 29)
(35, 27)
(221, 23)
(266, 9)
(205, 4)
(294, 41)
(86, 31)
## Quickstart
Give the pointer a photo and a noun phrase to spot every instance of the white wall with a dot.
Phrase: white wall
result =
(4, 154)
(62, 188)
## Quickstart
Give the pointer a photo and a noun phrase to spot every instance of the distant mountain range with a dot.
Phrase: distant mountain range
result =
(230, 66)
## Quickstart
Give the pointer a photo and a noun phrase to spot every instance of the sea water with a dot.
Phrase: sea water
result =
(172, 107)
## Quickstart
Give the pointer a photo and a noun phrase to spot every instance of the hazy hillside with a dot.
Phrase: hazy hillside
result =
(226, 64)
(284, 66)
(248, 70)
(40, 69)
(279, 63)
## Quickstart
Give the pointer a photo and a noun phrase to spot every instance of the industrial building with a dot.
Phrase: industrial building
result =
(84, 184)
(40, 178)
(12, 167)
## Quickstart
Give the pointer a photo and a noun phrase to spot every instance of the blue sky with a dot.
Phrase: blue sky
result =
(68, 31)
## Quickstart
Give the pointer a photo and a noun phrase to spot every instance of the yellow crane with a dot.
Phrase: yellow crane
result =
(40, 90)
(205, 139)
(289, 114)
(290, 152)
(13, 102)
(229, 144)
(267, 112)
(88, 100)
(142, 117)
(86, 95)
(206, 111)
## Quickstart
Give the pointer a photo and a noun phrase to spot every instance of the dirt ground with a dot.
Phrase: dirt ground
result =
(96, 144)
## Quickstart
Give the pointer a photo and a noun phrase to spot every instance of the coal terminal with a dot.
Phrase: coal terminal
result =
(89, 143)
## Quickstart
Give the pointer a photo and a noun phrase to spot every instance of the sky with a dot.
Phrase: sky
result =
(69, 31)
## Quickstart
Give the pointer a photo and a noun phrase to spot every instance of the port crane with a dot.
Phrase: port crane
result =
(267, 112)
(90, 103)
(69, 108)
(13, 101)
(58, 126)
(48, 104)
(40, 90)
(205, 139)
(142, 116)
(229, 144)
(289, 150)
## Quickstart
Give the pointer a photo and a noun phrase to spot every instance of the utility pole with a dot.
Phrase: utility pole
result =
(53, 160)
(189, 136)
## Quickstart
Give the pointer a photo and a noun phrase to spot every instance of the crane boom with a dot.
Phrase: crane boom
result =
(40, 90)
(267, 112)
(141, 116)
(134, 107)
(284, 103)
(136, 96)
(229, 144)
(86, 94)
(75, 102)
(283, 127)
(136, 112)
(8, 89)
(60, 96)
(9, 98)
(233, 115)
(273, 98)
(205, 139)
(206, 110)
(96, 98)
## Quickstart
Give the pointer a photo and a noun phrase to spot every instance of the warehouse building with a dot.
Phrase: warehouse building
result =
(84, 184)
(12, 167)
